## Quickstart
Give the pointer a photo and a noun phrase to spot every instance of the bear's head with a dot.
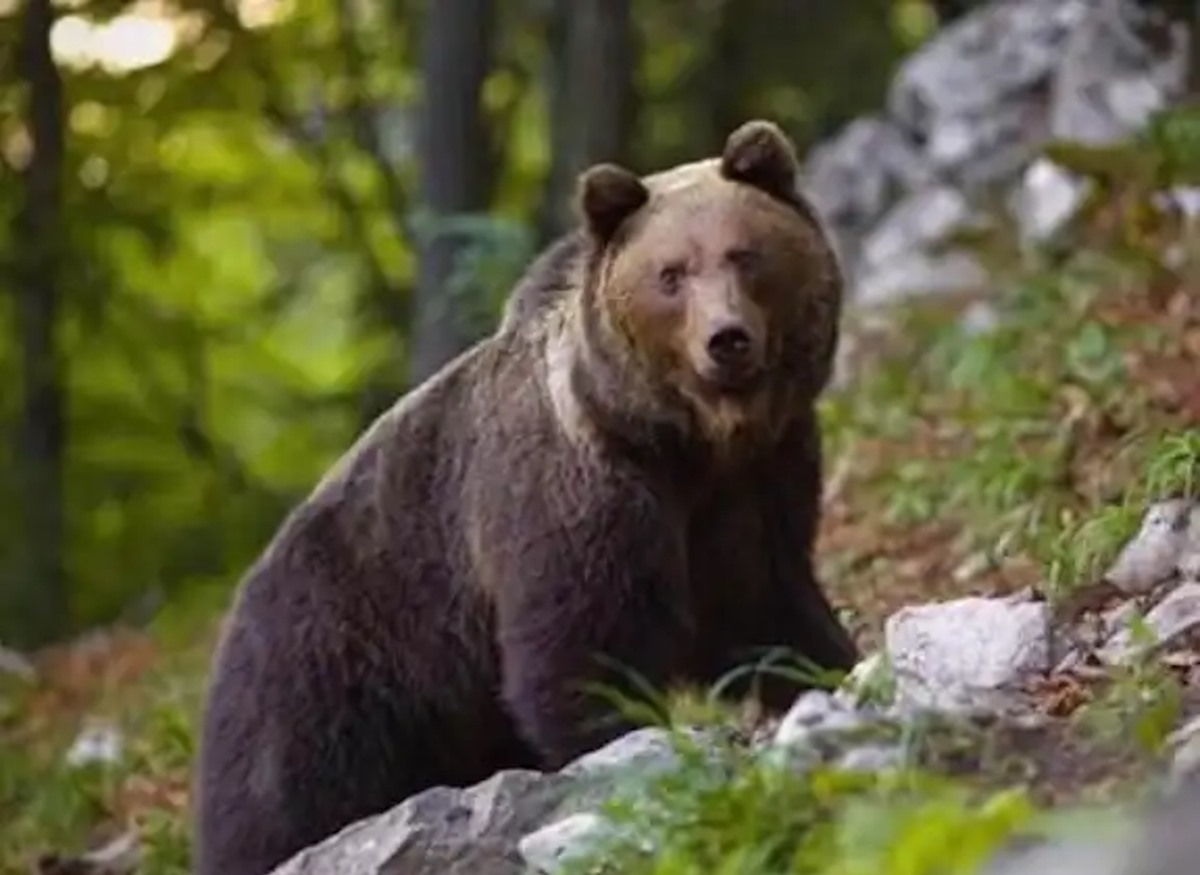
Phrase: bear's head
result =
(711, 288)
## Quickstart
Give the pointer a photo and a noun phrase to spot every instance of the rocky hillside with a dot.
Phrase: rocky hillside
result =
(959, 143)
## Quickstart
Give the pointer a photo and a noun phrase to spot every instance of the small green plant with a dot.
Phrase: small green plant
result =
(642, 703)
(50, 806)
(731, 812)
(165, 844)
(47, 806)
(1173, 466)
(1078, 549)
(1142, 701)
(873, 682)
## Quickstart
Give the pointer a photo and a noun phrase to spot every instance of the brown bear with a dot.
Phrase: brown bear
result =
(623, 480)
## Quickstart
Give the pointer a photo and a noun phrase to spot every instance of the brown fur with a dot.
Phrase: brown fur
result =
(565, 497)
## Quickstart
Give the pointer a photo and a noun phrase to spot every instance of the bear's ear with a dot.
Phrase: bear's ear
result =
(608, 195)
(760, 154)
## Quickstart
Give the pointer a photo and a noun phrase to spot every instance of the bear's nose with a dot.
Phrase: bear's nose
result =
(729, 345)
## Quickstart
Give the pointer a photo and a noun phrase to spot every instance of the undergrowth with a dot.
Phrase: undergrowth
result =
(1038, 439)
(725, 810)
(50, 806)
(1140, 704)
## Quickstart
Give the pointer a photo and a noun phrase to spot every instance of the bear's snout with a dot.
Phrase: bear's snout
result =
(730, 355)
(730, 346)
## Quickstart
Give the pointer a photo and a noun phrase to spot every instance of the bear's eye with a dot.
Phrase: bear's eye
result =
(670, 277)
(743, 259)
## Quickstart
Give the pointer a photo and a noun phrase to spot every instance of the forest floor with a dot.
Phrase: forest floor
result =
(959, 462)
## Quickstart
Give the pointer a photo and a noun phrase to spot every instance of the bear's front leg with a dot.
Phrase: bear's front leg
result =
(599, 594)
(797, 606)
(794, 612)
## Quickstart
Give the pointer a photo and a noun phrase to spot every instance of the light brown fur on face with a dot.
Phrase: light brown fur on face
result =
(701, 255)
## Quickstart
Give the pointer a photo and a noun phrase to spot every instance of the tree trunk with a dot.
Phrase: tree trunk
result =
(454, 156)
(1193, 80)
(725, 73)
(37, 596)
(950, 10)
(592, 98)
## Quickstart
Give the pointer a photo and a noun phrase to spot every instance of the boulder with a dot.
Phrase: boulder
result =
(1167, 622)
(904, 255)
(854, 178)
(966, 655)
(474, 831)
(976, 94)
(967, 117)
(1045, 199)
(550, 848)
(1121, 63)
(1163, 547)
(500, 826)
(1161, 840)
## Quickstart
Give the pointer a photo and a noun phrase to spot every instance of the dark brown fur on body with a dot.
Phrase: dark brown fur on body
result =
(570, 487)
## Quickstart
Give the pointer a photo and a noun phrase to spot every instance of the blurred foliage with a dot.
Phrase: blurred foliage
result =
(728, 810)
(239, 234)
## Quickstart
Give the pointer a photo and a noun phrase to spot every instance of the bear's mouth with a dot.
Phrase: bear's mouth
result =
(732, 383)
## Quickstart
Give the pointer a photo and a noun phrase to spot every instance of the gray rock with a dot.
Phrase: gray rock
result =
(1159, 840)
(918, 274)
(856, 176)
(474, 831)
(643, 750)
(1168, 532)
(905, 254)
(989, 148)
(1173, 617)
(1075, 857)
(1118, 618)
(14, 664)
(623, 766)
(998, 50)
(920, 220)
(1046, 199)
(98, 742)
(1189, 562)
(816, 713)
(1120, 65)
(822, 727)
(813, 708)
(975, 94)
(872, 758)
(1184, 744)
(968, 115)
(629, 763)
(494, 827)
(1184, 198)
(547, 849)
(1168, 842)
(965, 655)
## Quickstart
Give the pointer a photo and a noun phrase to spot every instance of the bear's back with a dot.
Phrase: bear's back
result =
(382, 543)
(550, 277)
